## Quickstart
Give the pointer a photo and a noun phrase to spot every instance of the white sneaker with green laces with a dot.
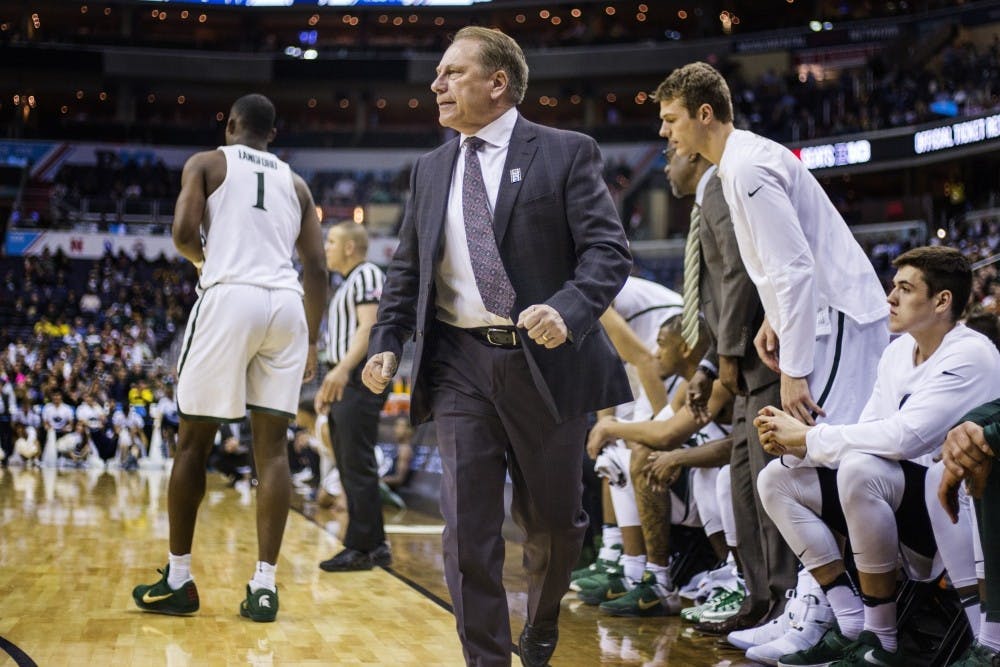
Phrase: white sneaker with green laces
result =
(725, 607)
(694, 614)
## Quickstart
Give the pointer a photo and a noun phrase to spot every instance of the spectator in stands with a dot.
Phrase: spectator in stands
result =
(8, 403)
(58, 416)
(94, 417)
(231, 454)
(74, 447)
(986, 323)
(303, 459)
(26, 445)
(169, 418)
(400, 472)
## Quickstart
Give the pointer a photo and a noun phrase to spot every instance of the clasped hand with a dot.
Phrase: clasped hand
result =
(780, 433)
(544, 325)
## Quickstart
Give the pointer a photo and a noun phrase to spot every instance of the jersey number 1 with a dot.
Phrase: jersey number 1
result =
(260, 191)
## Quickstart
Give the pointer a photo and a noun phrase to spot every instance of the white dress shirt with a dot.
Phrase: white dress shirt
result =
(458, 300)
(796, 247)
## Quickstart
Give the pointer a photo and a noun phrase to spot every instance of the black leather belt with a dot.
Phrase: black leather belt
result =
(506, 337)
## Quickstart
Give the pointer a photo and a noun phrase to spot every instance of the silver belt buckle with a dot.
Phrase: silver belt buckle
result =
(490, 333)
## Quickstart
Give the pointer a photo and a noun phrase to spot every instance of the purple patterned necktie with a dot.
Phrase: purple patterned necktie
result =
(491, 278)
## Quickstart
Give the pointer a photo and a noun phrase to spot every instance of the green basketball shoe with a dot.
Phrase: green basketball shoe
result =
(261, 606)
(160, 598)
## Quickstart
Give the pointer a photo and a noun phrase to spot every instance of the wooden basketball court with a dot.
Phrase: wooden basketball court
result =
(73, 543)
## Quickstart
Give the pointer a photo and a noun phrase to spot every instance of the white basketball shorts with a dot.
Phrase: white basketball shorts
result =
(245, 347)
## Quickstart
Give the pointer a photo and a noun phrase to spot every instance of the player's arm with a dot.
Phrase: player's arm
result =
(662, 468)
(314, 276)
(631, 350)
(190, 208)
(783, 250)
(669, 433)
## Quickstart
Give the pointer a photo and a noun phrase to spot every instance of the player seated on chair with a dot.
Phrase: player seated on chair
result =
(865, 481)
(651, 592)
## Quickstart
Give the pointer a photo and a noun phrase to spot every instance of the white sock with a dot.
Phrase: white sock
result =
(180, 570)
(634, 566)
(662, 574)
(881, 619)
(848, 609)
(611, 543)
(611, 536)
(806, 583)
(989, 634)
(263, 577)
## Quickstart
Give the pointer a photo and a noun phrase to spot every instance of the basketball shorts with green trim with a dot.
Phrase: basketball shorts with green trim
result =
(244, 347)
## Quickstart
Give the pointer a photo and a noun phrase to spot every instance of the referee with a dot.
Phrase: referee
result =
(353, 409)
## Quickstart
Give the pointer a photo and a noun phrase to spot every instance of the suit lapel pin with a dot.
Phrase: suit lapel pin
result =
(515, 175)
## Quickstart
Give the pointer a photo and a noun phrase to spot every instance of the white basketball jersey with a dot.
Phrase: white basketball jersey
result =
(253, 221)
(646, 305)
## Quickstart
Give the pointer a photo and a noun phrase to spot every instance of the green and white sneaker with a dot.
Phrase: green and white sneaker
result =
(693, 614)
(160, 598)
(614, 588)
(726, 606)
(829, 649)
(598, 567)
(867, 650)
(647, 598)
(598, 580)
(261, 606)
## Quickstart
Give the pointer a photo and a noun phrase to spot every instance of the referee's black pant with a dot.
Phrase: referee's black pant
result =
(353, 432)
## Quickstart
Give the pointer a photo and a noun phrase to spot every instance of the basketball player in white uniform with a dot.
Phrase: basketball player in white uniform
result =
(640, 595)
(633, 324)
(250, 342)
(867, 480)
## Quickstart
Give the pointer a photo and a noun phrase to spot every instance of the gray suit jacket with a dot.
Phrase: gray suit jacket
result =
(561, 243)
(728, 297)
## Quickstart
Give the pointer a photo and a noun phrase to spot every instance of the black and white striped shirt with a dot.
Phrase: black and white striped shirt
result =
(362, 285)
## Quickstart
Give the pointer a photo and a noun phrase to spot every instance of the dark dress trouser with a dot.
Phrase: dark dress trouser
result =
(353, 432)
(491, 419)
(769, 566)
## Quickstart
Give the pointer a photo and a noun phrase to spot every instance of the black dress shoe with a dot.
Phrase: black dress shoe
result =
(381, 555)
(352, 560)
(348, 560)
(537, 644)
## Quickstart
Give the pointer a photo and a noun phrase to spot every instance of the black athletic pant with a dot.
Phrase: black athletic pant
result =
(353, 432)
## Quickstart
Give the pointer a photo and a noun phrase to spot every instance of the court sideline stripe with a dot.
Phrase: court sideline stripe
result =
(402, 577)
(20, 657)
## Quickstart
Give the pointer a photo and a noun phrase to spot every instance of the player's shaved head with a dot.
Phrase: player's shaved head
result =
(255, 113)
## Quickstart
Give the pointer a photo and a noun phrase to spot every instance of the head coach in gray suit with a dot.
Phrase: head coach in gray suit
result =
(509, 252)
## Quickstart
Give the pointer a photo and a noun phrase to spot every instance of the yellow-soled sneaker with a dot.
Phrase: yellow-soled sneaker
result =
(160, 598)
